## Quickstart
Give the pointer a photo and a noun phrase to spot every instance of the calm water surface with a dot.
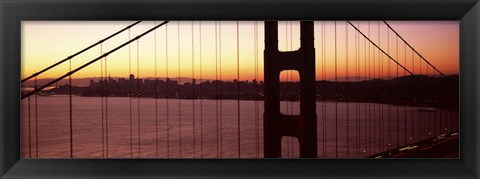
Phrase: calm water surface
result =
(188, 129)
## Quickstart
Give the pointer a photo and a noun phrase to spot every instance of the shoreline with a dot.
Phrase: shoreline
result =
(424, 107)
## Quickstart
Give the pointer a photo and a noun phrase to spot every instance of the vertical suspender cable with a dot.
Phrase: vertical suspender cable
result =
(221, 96)
(380, 76)
(376, 108)
(167, 92)
(255, 77)
(216, 89)
(139, 80)
(415, 122)
(357, 112)
(106, 106)
(104, 102)
(70, 108)
(201, 92)
(102, 94)
(434, 121)
(389, 128)
(156, 89)
(238, 90)
(179, 94)
(429, 125)
(325, 118)
(324, 115)
(426, 69)
(444, 115)
(376, 74)
(375, 102)
(336, 96)
(398, 110)
(130, 80)
(405, 106)
(446, 122)
(377, 137)
(380, 92)
(29, 130)
(318, 78)
(419, 117)
(382, 96)
(193, 92)
(414, 113)
(369, 104)
(347, 82)
(369, 143)
(366, 105)
(358, 55)
(355, 82)
(423, 115)
(36, 119)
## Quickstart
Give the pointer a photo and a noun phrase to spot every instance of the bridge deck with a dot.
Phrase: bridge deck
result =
(442, 146)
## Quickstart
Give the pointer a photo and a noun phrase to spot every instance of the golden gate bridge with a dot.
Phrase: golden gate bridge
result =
(399, 129)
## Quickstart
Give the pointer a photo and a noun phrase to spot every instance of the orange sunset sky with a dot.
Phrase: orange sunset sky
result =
(46, 42)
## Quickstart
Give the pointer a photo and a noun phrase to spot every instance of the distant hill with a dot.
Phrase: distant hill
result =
(86, 81)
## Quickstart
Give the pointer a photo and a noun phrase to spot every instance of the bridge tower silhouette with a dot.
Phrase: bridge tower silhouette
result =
(276, 124)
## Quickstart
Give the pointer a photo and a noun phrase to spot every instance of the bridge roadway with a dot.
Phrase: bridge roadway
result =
(442, 146)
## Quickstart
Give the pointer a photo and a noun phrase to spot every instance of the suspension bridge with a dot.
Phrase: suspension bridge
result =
(389, 102)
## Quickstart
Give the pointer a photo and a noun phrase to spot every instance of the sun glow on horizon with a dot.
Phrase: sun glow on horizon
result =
(208, 50)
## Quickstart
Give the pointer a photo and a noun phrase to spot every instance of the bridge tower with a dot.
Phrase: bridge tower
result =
(277, 125)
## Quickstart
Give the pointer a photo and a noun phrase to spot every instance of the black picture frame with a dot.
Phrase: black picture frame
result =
(12, 12)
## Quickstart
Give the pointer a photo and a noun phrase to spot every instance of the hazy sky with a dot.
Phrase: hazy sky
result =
(46, 42)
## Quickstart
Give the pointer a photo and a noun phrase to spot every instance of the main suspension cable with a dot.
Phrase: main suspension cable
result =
(413, 49)
(90, 62)
(79, 52)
